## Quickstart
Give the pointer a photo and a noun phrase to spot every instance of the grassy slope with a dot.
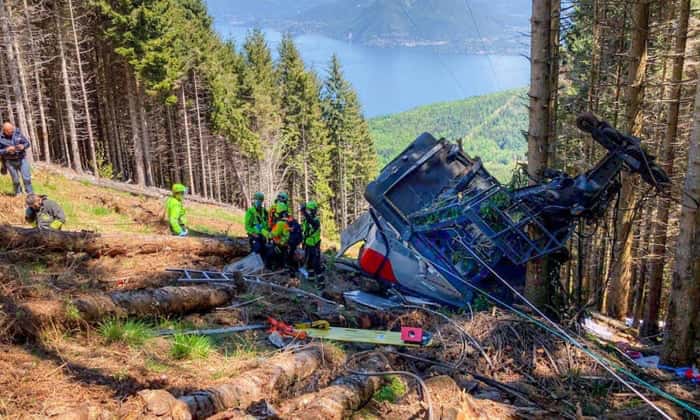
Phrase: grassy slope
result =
(98, 209)
(491, 125)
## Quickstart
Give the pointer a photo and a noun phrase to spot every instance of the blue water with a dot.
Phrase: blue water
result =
(391, 80)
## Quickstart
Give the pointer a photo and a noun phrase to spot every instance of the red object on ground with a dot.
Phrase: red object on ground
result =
(373, 262)
(284, 329)
(412, 335)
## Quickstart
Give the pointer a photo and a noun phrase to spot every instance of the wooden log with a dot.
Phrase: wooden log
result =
(276, 376)
(344, 396)
(112, 244)
(163, 301)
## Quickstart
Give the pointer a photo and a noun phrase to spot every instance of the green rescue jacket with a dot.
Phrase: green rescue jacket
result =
(175, 212)
(256, 221)
(311, 228)
(49, 216)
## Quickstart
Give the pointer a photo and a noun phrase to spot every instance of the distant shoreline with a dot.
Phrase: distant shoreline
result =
(472, 46)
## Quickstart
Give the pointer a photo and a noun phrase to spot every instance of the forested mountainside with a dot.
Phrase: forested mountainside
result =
(476, 26)
(491, 127)
(146, 92)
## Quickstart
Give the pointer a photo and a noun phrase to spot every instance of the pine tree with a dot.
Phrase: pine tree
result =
(261, 98)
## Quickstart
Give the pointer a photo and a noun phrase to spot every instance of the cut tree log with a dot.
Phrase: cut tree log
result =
(92, 308)
(344, 396)
(275, 377)
(112, 244)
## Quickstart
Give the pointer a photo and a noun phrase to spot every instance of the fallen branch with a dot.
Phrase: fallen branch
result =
(112, 244)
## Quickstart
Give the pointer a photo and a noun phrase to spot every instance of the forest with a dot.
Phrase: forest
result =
(146, 92)
(635, 64)
(489, 126)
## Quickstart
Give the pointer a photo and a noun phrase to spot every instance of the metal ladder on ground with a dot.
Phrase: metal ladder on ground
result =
(201, 276)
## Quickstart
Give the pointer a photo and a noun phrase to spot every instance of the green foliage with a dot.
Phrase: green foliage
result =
(352, 150)
(72, 312)
(104, 168)
(481, 304)
(101, 211)
(491, 127)
(190, 346)
(133, 333)
(391, 391)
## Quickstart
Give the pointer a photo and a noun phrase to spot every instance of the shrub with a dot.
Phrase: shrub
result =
(133, 333)
(392, 391)
(190, 346)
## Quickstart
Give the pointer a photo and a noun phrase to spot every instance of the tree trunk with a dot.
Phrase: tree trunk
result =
(541, 79)
(96, 244)
(161, 302)
(83, 90)
(188, 143)
(276, 376)
(203, 157)
(8, 97)
(133, 116)
(37, 85)
(27, 103)
(68, 93)
(12, 68)
(340, 399)
(175, 164)
(656, 268)
(621, 274)
(684, 303)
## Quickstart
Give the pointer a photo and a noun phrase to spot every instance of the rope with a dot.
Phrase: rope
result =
(559, 332)
(424, 387)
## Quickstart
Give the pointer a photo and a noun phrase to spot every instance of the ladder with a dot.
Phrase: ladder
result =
(201, 276)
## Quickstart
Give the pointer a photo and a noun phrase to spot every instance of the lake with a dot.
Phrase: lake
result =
(391, 80)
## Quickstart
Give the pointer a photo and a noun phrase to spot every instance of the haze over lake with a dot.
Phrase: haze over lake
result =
(391, 80)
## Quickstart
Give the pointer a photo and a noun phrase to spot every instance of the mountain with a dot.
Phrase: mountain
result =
(261, 10)
(491, 126)
(474, 26)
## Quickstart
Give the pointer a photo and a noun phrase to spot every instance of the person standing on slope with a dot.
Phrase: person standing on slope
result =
(282, 197)
(311, 228)
(13, 152)
(43, 213)
(256, 225)
(175, 211)
(286, 238)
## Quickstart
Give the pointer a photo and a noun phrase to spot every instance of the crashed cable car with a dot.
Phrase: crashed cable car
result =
(439, 224)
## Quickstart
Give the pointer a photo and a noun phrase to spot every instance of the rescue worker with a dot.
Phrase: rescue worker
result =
(175, 211)
(13, 153)
(286, 238)
(256, 225)
(43, 213)
(282, 197)
(311, 229)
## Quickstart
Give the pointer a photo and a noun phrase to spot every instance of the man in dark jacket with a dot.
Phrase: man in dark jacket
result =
(13, 151)
(44, 213)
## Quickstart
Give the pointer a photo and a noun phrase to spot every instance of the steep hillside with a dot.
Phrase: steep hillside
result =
(491, 126)
(106, 210)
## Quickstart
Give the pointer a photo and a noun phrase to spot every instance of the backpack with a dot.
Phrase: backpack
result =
(295, 235)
